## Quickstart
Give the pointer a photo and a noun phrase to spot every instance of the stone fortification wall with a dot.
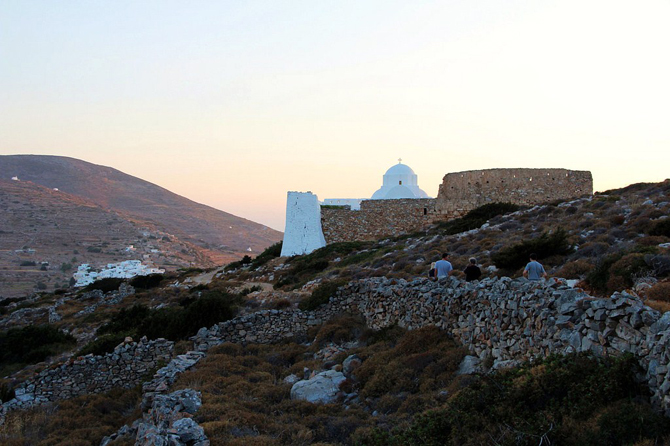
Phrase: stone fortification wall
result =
(125, 367)
(508, 320)
(377, 219)
(461, 192)
(302, 233)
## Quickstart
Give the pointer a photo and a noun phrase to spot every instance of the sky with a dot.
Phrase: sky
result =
(234, 103)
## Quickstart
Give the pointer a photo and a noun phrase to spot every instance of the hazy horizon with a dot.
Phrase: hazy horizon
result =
(232, 105)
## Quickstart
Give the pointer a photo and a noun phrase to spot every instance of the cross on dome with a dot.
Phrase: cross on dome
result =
(399, 160)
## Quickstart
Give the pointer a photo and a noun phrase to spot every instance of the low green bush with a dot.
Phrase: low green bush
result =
(306, 267)
(174, 323)
(103, 344)
(575, 399)
(146, 282)
(32, 344)
(661, 227)
(105, 285)
(516, 256)
(271, 252)
(321, 295)
(476, 217)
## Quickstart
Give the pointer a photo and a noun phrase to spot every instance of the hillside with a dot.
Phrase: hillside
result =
(223, 237)
(402, 343)
(46, 234)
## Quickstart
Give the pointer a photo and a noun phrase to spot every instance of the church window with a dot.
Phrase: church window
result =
(400, 182)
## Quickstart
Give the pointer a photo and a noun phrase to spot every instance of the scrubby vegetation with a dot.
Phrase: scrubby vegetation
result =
(173, 323)
(545, 246)
(81, 421)
(29, 345)
(573, 399)
(321, 295)
(476, 217)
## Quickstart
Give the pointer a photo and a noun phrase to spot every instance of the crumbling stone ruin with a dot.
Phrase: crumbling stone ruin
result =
(461, 192)
(309, 227)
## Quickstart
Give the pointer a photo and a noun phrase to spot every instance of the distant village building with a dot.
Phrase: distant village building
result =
(401, 206)
(122, 270)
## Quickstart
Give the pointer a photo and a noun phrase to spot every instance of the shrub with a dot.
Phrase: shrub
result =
(320, 295)
(94, 249)
(558, 400)
(170, 323)
(476, 217)
(307, 267)
(659, 291)
(105, 285)
(661, 227)
(32, 344)
(246, 260)
(146, 282)
(103, 344)
(600, 275)
(577, 269)
(271, 252)
(546, 245)
(27, 263)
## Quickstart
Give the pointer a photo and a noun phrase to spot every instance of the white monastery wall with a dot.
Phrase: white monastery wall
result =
(303, 232)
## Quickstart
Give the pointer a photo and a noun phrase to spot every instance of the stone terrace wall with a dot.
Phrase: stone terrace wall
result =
(463, 191)
(377, 219)
(509, 320)
(125, 367)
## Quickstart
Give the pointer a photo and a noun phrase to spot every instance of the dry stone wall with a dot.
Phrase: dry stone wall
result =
(461, 192)
(376, 219)
(508, 320)
(125, 367)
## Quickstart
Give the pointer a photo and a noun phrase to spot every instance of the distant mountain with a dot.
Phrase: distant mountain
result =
(222, 237)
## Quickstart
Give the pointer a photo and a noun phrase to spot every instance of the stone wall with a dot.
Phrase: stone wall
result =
(508, 320)
(377, 219)
(125, 367)
(463, 191)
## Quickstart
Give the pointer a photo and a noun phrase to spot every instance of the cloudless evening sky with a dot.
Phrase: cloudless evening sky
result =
(234, 103)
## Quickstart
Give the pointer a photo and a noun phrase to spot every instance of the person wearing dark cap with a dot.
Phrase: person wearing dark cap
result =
(472, 271)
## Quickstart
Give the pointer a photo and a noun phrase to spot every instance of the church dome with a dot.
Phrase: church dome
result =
(400, 169)
(399, 181)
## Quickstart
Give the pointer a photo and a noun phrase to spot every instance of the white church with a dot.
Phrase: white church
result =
(303, 233)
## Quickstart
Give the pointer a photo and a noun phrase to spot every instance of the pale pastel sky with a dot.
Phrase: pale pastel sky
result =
(232, 104)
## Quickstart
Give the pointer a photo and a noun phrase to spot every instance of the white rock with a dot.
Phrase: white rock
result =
(322, 388)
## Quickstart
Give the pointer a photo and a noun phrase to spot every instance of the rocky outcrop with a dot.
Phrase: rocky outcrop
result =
(167, 422)
(321, 388)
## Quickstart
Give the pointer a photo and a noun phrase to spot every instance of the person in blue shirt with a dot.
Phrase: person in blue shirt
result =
(443, 267)
(534, 270)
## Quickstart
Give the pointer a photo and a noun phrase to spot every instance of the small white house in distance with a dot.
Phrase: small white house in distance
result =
(122, 270)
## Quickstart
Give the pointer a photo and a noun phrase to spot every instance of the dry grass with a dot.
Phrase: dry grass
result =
(81, 421)
(246, 402)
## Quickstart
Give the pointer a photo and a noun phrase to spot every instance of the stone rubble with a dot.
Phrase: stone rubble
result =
(168, 422)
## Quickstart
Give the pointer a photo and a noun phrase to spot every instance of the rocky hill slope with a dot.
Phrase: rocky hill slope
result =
(222, 237)
(45, 234)
(378, 382)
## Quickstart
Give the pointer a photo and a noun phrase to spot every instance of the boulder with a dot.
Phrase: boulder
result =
(322, 388)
